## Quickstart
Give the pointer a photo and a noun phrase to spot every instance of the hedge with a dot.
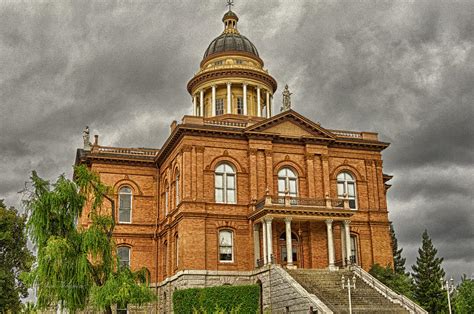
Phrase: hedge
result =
(235, 299)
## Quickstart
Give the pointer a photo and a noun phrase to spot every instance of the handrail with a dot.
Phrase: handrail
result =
(301, 201)
(350, 134)
(226, 123)
(388, 293)
(128, 151)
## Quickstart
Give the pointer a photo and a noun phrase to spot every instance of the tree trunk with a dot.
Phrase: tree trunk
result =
(108, 310)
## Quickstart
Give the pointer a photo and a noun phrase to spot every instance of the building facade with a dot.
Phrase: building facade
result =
(236, 186)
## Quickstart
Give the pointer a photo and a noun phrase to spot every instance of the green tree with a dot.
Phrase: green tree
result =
(464, 297)
(398, 282)
(427, 273)
(15, 258)
(75, 264)
(398, 260)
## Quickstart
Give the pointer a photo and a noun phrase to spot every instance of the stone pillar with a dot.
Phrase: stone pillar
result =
(201, 102)
(229, 98)
(259, 105)
(347, 233)
(268, 222)
(195, 113)
(289, 246)
(343, 246)
(213, 101)
(256, 243)
(271, 105)
(244, 87)
(264, 241)
(268, 105)
(330, 244)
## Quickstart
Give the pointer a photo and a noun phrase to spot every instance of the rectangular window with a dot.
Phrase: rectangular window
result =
(125, 201)
(240, 105)
(219, 106)
(123, 253)
(225, 246)
(220, 62)
(219, 184)
(166, 203)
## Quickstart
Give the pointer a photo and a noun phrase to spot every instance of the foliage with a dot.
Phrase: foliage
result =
(222, 299)
(15, 258)
(427, 273)
(75, 264)
(398, 260)
(400, 283)
(464, 297)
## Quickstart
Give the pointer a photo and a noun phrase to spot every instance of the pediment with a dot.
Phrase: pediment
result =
(290, 124)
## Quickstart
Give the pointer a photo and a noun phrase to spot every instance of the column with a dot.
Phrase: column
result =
(347, 233)
(201, 102)
(244, 87)
(268, 104)
(289, 246)
(343, 246)
(271, 105)
(195, 113)
(229, 98)
(259, 107)
(264, 241)
(256, 243)
(268, 221)
(213, 101)
(330, 244)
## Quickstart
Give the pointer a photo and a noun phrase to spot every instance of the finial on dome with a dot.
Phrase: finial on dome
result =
(286, 99)
(230, 19)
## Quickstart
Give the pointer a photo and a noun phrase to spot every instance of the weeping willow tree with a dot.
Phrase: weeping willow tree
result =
(76, 267)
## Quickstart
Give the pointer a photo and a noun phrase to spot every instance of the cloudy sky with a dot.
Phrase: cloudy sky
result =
(404, 69)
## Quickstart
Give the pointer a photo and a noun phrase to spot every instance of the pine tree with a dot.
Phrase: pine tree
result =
(428, 291)
(398, 260)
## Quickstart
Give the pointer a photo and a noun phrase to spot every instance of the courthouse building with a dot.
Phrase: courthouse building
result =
(242, 183)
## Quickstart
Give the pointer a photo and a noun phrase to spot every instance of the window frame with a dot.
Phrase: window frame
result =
(177, 195)
(345, 182)
(240, 105)
(129, 254)
(120, 203)
(231, 232)
(287, 182)
(354, 248)
(219, 106)
(225, 189)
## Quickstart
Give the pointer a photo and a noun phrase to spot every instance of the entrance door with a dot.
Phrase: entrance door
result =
(294, 245)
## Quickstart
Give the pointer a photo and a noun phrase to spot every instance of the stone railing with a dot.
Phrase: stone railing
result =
(226, 123)
(388, 293)
(347, 133)
(125, 151)
(289, 201)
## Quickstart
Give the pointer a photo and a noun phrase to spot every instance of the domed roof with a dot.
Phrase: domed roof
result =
(230, 42)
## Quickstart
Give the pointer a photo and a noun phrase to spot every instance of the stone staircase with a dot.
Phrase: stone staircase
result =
(326, 285)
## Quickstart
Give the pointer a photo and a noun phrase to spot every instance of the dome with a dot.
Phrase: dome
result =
(230, 42)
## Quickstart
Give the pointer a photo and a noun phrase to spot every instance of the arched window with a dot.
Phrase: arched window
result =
(176, 249)
(225, 184)
(176, 186)
(166, 198)
(125, 205)
(346, 186)
(123, 253)
(287, 182)
(226, 248)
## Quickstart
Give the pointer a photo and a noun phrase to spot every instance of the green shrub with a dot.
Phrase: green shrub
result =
(222, 299)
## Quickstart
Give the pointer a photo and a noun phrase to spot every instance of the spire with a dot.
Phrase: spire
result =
(230, 19)
(286, 99)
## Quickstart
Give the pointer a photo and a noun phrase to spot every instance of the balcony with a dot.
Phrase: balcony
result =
(306, 208)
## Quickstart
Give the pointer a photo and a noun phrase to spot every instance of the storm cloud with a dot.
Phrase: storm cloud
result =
(403, 69)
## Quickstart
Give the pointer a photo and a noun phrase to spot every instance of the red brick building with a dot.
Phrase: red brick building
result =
(235, 187)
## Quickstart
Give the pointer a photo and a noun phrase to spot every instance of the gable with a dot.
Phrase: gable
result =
(287, 128)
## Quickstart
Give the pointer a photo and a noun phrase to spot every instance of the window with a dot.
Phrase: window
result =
(220, 62)
(219, 106)
(123, 253)
(125, 204)
(239, 61)
(165, 258)
(294, 247)
(225, 184)
(240, 105)
(176, 186)
(226, 246)
(166, 198)
(353, 257)
(346, 186)
(287, 182)
(176, 249)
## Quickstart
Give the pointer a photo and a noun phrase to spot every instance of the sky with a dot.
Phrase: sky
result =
(404, 69)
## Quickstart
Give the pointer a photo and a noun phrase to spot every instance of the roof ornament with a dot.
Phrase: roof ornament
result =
(230, 3)
(86, 138)
(286, 99)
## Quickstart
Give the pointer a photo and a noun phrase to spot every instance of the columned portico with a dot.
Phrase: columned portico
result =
(229, 97)
(289, 246)
(213, 100)
(264, 242)
(331, 256)
(201, 102)
(268, 222)
(347, 240)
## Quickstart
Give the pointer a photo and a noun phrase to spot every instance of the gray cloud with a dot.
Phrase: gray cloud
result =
(405, 70)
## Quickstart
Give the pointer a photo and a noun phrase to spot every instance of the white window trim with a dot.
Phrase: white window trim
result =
(356, 199)
(232, 245)
(224, 185)
(131, 204)
(287, 182)
(129, 254)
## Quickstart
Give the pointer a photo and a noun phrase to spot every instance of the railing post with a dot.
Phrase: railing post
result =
(268, 199)
(328, 202)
